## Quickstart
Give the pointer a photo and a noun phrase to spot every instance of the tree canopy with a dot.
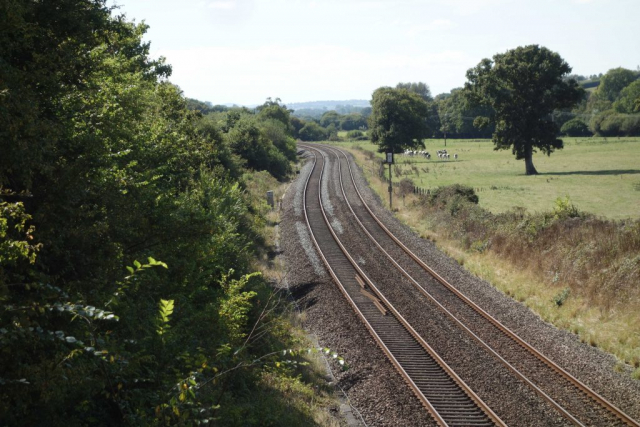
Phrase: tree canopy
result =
(128, 224)
(614, 81)
(524, 86)
(629, 99)
(398, 120)
(419, 88)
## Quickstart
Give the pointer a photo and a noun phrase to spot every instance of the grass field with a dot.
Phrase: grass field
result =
(600, 175)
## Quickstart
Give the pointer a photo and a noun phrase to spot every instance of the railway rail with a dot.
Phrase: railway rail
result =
(570, 397)
(447, 398)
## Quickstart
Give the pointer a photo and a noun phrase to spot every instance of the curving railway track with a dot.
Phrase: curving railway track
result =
(444, 394)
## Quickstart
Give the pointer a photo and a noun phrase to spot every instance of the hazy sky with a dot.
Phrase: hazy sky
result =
(243, 51)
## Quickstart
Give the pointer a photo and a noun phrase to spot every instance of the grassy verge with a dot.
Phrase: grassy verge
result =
(296, 394)
(576, 271)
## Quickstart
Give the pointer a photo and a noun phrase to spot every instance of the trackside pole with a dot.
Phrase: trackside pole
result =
(390, 162)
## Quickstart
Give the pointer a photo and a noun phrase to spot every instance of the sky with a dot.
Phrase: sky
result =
(243, 51)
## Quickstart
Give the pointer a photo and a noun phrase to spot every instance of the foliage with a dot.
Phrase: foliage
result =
(312, 132)
(13, 226)
(452, 198)
(524, 86)
(273, 110)
(610, 123)
(575, 127)
(419, 88)
(204, 107)
(629, 100)
(247, 138)
(353, 121)
(565, 245)
(457, 117)
(561, 297)
(105, 164)
(398, 120)
(614, 81)
(564, 209)
(356, 135)
(330, 118)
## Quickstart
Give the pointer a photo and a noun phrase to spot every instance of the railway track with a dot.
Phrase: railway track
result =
(447, 398)
(570, 397)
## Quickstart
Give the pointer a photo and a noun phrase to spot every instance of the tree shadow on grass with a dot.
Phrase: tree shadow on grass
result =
(601, 172)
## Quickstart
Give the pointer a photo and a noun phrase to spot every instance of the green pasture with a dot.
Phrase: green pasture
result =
(600, 175)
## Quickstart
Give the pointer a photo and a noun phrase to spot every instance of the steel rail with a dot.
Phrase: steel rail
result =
(521, 342)
(440, 419)
(453, 318)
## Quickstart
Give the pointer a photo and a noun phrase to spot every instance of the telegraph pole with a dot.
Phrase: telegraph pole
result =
(390, 162)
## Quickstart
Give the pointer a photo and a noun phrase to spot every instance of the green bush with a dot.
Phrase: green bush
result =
(126, 291)
(611, 123)
(575, 127)
(312, 132)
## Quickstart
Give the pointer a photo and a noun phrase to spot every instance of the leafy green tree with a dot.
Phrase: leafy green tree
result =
(278, 133)
(611, 123)
(297, 124)
(248, 139)
(102, 164)
(575, 127)
(330, 118)
(276, 111)
(524, 86)
(419, 88)
(629, 100)
(457, 117)
(312, 131)
(352, 121)
(398, 120)
(614, 81)
(203, 107)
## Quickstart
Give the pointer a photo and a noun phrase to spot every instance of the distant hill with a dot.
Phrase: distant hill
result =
(315, 109)
(328, 105)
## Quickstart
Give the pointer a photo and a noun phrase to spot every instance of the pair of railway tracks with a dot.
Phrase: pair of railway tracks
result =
(442, 392)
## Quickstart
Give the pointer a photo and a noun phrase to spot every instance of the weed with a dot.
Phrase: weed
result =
(561, 297)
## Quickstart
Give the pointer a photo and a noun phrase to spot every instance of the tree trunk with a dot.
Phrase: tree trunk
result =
(528, 161)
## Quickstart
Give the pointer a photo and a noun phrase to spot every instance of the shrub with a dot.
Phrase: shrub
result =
(610, 123)
(312, 132)
(575, 127)
(352, 134)
(441, 195)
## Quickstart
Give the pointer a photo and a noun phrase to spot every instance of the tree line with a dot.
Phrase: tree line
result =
(609, 108)
(128, 230)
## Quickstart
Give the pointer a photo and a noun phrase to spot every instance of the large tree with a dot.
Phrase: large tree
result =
(524, 86)
(614, 81)
(398, 120)
(629, 100)
(420, 88)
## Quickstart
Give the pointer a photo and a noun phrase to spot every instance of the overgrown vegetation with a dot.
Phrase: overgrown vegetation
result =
(571, 251)
(128, 229)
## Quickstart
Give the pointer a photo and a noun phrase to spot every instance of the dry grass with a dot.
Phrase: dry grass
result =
(576, 271)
